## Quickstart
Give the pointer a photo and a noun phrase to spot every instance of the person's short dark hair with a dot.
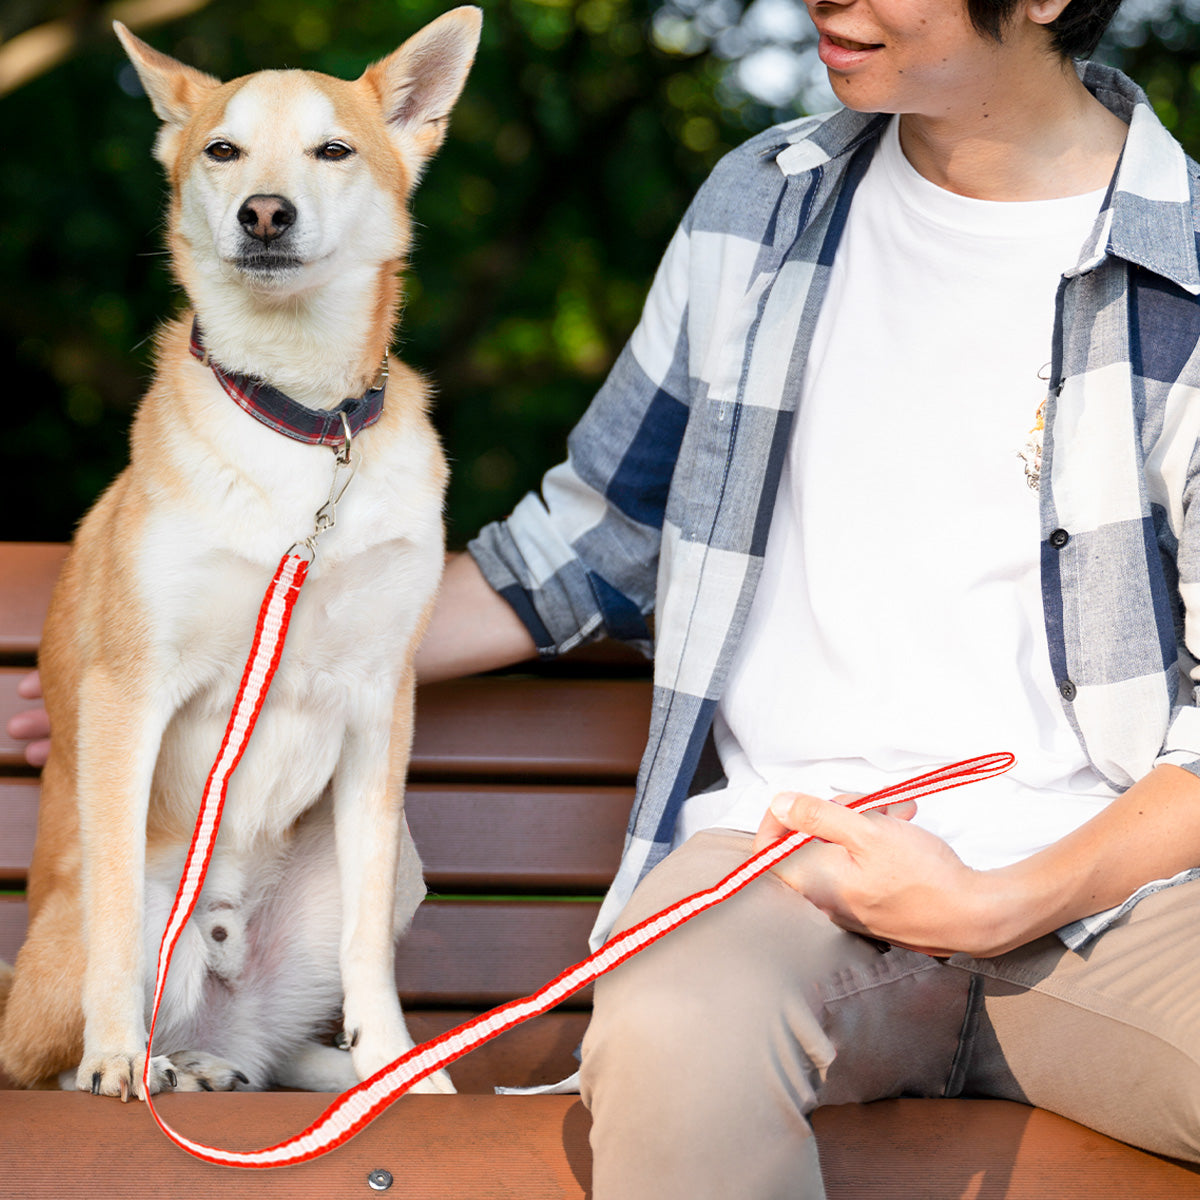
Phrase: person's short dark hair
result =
(1077, 29)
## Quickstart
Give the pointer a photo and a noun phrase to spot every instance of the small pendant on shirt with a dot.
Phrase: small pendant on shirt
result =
(1031, 454)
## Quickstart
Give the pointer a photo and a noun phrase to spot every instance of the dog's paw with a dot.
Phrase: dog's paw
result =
(122, 1075)
(372, 1054)
(111, 1075)
(196, 1071)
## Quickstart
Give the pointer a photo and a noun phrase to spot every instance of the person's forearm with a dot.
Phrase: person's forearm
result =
(472, 629)
(1150, 832)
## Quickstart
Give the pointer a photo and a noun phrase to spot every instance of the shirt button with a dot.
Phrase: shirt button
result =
(1059, 538)
(1066, 690)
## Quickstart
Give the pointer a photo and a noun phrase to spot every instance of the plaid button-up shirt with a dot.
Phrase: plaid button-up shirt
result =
(664, 502)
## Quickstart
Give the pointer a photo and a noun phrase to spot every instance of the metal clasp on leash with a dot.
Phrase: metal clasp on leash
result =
(345, 462)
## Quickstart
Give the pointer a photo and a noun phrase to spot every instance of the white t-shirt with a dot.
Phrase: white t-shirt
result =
(898, 623)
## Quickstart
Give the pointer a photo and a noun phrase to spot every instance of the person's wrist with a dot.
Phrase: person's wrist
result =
(1006, 908)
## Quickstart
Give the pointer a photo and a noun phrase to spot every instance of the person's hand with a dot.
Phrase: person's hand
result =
(878, 875)
(33, 725)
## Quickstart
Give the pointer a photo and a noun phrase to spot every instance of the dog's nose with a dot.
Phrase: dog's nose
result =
(267, 217)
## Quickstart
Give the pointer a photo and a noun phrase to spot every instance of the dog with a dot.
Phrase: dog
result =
(288, 225)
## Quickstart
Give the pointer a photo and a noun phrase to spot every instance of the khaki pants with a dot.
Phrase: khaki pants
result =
(707, 1051)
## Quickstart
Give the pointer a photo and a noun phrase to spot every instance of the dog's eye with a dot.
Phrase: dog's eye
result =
(334, 151)
(222, 151)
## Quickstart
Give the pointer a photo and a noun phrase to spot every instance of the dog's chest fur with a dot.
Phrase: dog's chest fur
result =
(204, 565)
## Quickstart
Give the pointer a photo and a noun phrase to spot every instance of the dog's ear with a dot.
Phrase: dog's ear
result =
(418, 84)
(174, 89)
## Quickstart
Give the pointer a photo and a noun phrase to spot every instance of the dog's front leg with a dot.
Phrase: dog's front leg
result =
(369, 819)
(118, 742)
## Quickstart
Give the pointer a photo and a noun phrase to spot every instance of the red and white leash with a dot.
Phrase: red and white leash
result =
(354, 1109)
(269, 635)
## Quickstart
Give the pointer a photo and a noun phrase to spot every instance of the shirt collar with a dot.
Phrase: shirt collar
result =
(1147, 218)
(811, 142)
(1147, 215)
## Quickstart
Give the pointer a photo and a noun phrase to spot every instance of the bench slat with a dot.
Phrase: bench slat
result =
(478, 954)
(550, 728)
(472, 954)
(510, 837)
(501, 838)
(18, 826)
(27, 574)
(435, 1147)
(540, 1051)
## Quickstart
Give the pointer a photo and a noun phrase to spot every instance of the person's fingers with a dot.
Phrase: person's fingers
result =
(774, 826)
(33, 723)
(36, 753)
(30, 687)
(823, 819)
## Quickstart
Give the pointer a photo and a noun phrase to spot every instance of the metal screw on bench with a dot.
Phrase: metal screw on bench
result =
(380, 1180)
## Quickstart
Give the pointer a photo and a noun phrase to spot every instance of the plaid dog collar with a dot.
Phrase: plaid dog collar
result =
(317, 427)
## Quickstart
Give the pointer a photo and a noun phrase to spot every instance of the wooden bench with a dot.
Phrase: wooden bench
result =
(520, 787)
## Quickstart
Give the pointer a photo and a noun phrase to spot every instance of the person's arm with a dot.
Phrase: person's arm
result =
(472, 629)
(579, 558)
(884, 877)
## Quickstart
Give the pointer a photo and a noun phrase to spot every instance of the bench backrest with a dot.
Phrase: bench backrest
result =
(519, 789)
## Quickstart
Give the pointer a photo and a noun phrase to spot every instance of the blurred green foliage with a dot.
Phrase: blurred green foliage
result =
(1169, 71)
(571, 156)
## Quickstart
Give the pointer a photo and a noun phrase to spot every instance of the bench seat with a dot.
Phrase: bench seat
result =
(473, 1147)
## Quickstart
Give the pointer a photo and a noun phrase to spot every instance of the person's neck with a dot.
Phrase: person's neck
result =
(1054, 139)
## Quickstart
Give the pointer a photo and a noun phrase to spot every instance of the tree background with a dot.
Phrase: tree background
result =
(585, 127)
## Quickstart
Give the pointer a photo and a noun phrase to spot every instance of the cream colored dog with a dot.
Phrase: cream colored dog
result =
(288, 224)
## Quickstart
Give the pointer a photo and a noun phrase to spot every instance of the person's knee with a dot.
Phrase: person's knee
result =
(1175, 1128)
(685, 1082)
